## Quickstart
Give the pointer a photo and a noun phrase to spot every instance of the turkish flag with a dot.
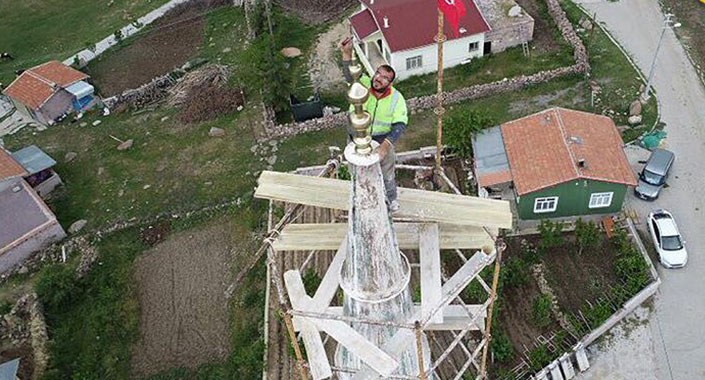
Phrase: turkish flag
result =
(453, 10)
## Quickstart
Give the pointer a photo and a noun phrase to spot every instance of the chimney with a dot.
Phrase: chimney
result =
(582, 164)
(386, 22)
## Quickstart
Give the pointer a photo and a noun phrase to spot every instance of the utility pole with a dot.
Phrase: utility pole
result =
(439, 111)
(668, 23)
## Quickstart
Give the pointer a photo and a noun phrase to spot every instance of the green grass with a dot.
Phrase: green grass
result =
(38, 31)
(93, 322)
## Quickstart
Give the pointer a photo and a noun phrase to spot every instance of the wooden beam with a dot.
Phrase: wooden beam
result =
(315, 351)
(430, 258)
(357, 344)
(327, 236)
(455, 317)
(426, 206)
(404, 338)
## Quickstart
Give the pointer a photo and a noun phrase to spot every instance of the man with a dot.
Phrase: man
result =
(387, 107)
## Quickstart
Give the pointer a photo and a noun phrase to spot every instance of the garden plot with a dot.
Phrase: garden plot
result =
(182, 283)
(169, 43)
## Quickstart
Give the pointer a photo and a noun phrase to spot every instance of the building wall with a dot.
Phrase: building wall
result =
(455, 52)
(512, 35)
(49, 233)
(573, 199)
(57, 105)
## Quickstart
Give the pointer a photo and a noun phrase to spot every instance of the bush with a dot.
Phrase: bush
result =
(530, 254)
(502, 348)
(5, 307)
(587, 235)
(57, 287)
(311, 281)
(541, 311)
(597, 314)
(539, 357)
(551, 234)
(459, 128)
(515, 273)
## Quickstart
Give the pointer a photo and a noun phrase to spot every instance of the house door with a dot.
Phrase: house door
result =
(379, 45)
(487, 48)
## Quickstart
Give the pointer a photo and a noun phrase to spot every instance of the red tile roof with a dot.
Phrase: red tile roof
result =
(9, 168)
(544, 149)
(414, 23)
(363, 24)
(496, 178)
(36, 85)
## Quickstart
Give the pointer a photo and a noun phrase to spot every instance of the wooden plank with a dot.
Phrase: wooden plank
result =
(541, 375)
(329, 284)
(357, 344)
(581, 357)
(404, 338)
(454, 317)
(430, 258)
(567, 367)
(316, 352)
(555, 370)
(327, 236)
(427, 206)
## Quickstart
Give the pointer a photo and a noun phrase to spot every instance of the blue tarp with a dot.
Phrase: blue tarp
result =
(33, 159)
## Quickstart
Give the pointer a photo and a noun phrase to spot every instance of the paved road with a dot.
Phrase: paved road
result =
(675, 334)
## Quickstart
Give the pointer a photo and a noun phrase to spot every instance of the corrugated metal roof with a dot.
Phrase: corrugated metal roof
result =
(80, 89)
(491, 162)
(8, 370)
(33, 159)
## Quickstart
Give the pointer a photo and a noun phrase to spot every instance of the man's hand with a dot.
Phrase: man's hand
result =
(383, 149)
(346, 47)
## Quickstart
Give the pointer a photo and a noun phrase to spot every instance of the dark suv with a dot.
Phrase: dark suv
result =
(653, 176)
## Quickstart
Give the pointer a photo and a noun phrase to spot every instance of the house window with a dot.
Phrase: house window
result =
(473, 47)
(598, 200)
(546, 204)
(413, 62)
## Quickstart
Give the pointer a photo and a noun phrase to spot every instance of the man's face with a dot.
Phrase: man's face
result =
(382, 80)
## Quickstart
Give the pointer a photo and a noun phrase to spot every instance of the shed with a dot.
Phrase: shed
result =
(39, 165)
(41, 92)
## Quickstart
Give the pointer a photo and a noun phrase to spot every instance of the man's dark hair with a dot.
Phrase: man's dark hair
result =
(389, 69)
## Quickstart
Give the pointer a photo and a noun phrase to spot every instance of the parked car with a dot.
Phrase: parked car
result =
(653, 177)
(668, 241)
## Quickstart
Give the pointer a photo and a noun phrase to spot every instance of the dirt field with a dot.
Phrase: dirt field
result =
(184, 319)
(574, 279)
(316, 11)
(169, 43)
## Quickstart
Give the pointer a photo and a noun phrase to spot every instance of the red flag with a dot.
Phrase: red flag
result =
(453, 10)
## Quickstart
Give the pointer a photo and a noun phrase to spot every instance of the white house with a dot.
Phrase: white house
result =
(402, 33)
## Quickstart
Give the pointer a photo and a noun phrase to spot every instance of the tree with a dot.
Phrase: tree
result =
(459, 128)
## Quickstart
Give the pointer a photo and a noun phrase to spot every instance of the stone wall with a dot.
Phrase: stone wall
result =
(339, 120)
(146, 94)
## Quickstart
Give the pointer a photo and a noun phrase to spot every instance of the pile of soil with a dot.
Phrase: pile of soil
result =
(155, 234)
(168, 43)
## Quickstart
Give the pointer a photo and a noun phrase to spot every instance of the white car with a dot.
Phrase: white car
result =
(669, 244)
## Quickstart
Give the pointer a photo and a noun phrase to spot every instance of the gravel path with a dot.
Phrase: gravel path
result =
(674, 342)
(324, 69)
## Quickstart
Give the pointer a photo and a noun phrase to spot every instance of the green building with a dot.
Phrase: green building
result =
(554, 163)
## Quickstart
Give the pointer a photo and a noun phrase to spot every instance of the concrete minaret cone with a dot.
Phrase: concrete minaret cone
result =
(375, 276)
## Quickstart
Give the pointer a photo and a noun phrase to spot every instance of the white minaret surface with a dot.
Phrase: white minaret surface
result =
(375, 275)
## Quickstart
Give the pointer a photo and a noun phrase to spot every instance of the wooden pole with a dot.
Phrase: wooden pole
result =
(440, 38)
(499, 246)
(300, 362)
(419, 350)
